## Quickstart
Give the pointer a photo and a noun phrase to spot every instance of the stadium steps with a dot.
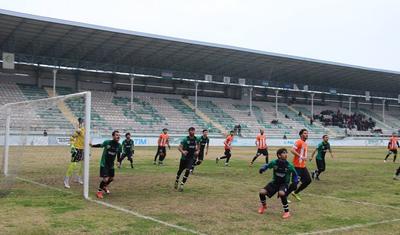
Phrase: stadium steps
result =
(375, 117)
(218, 115)
(300, 122)
(204, 116)
(142, 112)
(306, 114)
(187, 112)
(76, 105)
(49, 118)
(63, 108)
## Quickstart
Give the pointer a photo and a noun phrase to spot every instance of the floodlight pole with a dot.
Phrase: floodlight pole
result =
(383, 110)
(312, 106)
(132, 80)
(86, 160)
(350, 106)
(6, 142)
(276, 103)
(251, 101)
(54, 81)
(196, 86)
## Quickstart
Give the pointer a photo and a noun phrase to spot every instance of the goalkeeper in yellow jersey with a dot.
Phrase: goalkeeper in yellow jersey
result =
(77, 142)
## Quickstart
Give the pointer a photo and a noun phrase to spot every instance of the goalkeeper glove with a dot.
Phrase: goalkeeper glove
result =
(73, 149)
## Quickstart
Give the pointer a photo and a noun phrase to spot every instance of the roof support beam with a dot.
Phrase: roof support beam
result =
(131, 53)
(118, 49)
(97, 47)
(11, 35)
(38, 35)
(82, 41)
(60, 40)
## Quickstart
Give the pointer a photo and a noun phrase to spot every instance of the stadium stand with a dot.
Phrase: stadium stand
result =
(152, 112)
(44, 117)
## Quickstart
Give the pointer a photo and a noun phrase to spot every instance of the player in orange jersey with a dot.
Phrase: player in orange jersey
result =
(299, 152)
(392, 146)
(227, 146)
(163, 140)
(261, 147)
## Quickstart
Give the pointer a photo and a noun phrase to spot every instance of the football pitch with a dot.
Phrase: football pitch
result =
(356, 195)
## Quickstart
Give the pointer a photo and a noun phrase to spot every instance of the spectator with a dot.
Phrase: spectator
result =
(354, 121)
(284, 137)
(237, 129)
(44, 132)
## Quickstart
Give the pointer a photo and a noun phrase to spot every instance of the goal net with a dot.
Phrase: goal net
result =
(35, 142)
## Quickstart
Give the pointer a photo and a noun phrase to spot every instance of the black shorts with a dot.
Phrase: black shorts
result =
(77, 156)
(394, 151)
(262, 151)
(273, 188)
(186, 163)
(162, 150)
(320, 164)
(303, 174)
(107, 172)
(129, 155)
(227, 152)
(201, 155)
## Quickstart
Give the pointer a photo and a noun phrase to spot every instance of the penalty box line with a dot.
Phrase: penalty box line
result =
(116, 208)
(350, 227)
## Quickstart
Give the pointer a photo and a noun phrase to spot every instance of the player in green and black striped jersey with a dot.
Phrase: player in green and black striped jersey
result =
(189, 147)
(128, 149)
(283, 172)
(111, 150)
(204, 142)
(321, 150)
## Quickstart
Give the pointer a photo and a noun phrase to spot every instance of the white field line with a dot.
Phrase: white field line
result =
(116, 208)
(323, 196)
(350, 227)
(353, 201)
(46, 186)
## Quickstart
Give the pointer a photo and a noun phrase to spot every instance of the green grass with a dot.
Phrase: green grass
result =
(216, 200)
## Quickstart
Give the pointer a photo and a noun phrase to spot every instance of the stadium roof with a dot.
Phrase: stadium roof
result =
(39, 37)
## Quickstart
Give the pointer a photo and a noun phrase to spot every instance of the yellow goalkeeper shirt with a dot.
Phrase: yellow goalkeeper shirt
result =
(78, 138)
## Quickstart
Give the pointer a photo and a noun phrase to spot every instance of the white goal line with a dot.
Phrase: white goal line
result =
(116, 208)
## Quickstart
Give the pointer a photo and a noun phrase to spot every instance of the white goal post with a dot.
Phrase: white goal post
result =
(7, 109)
